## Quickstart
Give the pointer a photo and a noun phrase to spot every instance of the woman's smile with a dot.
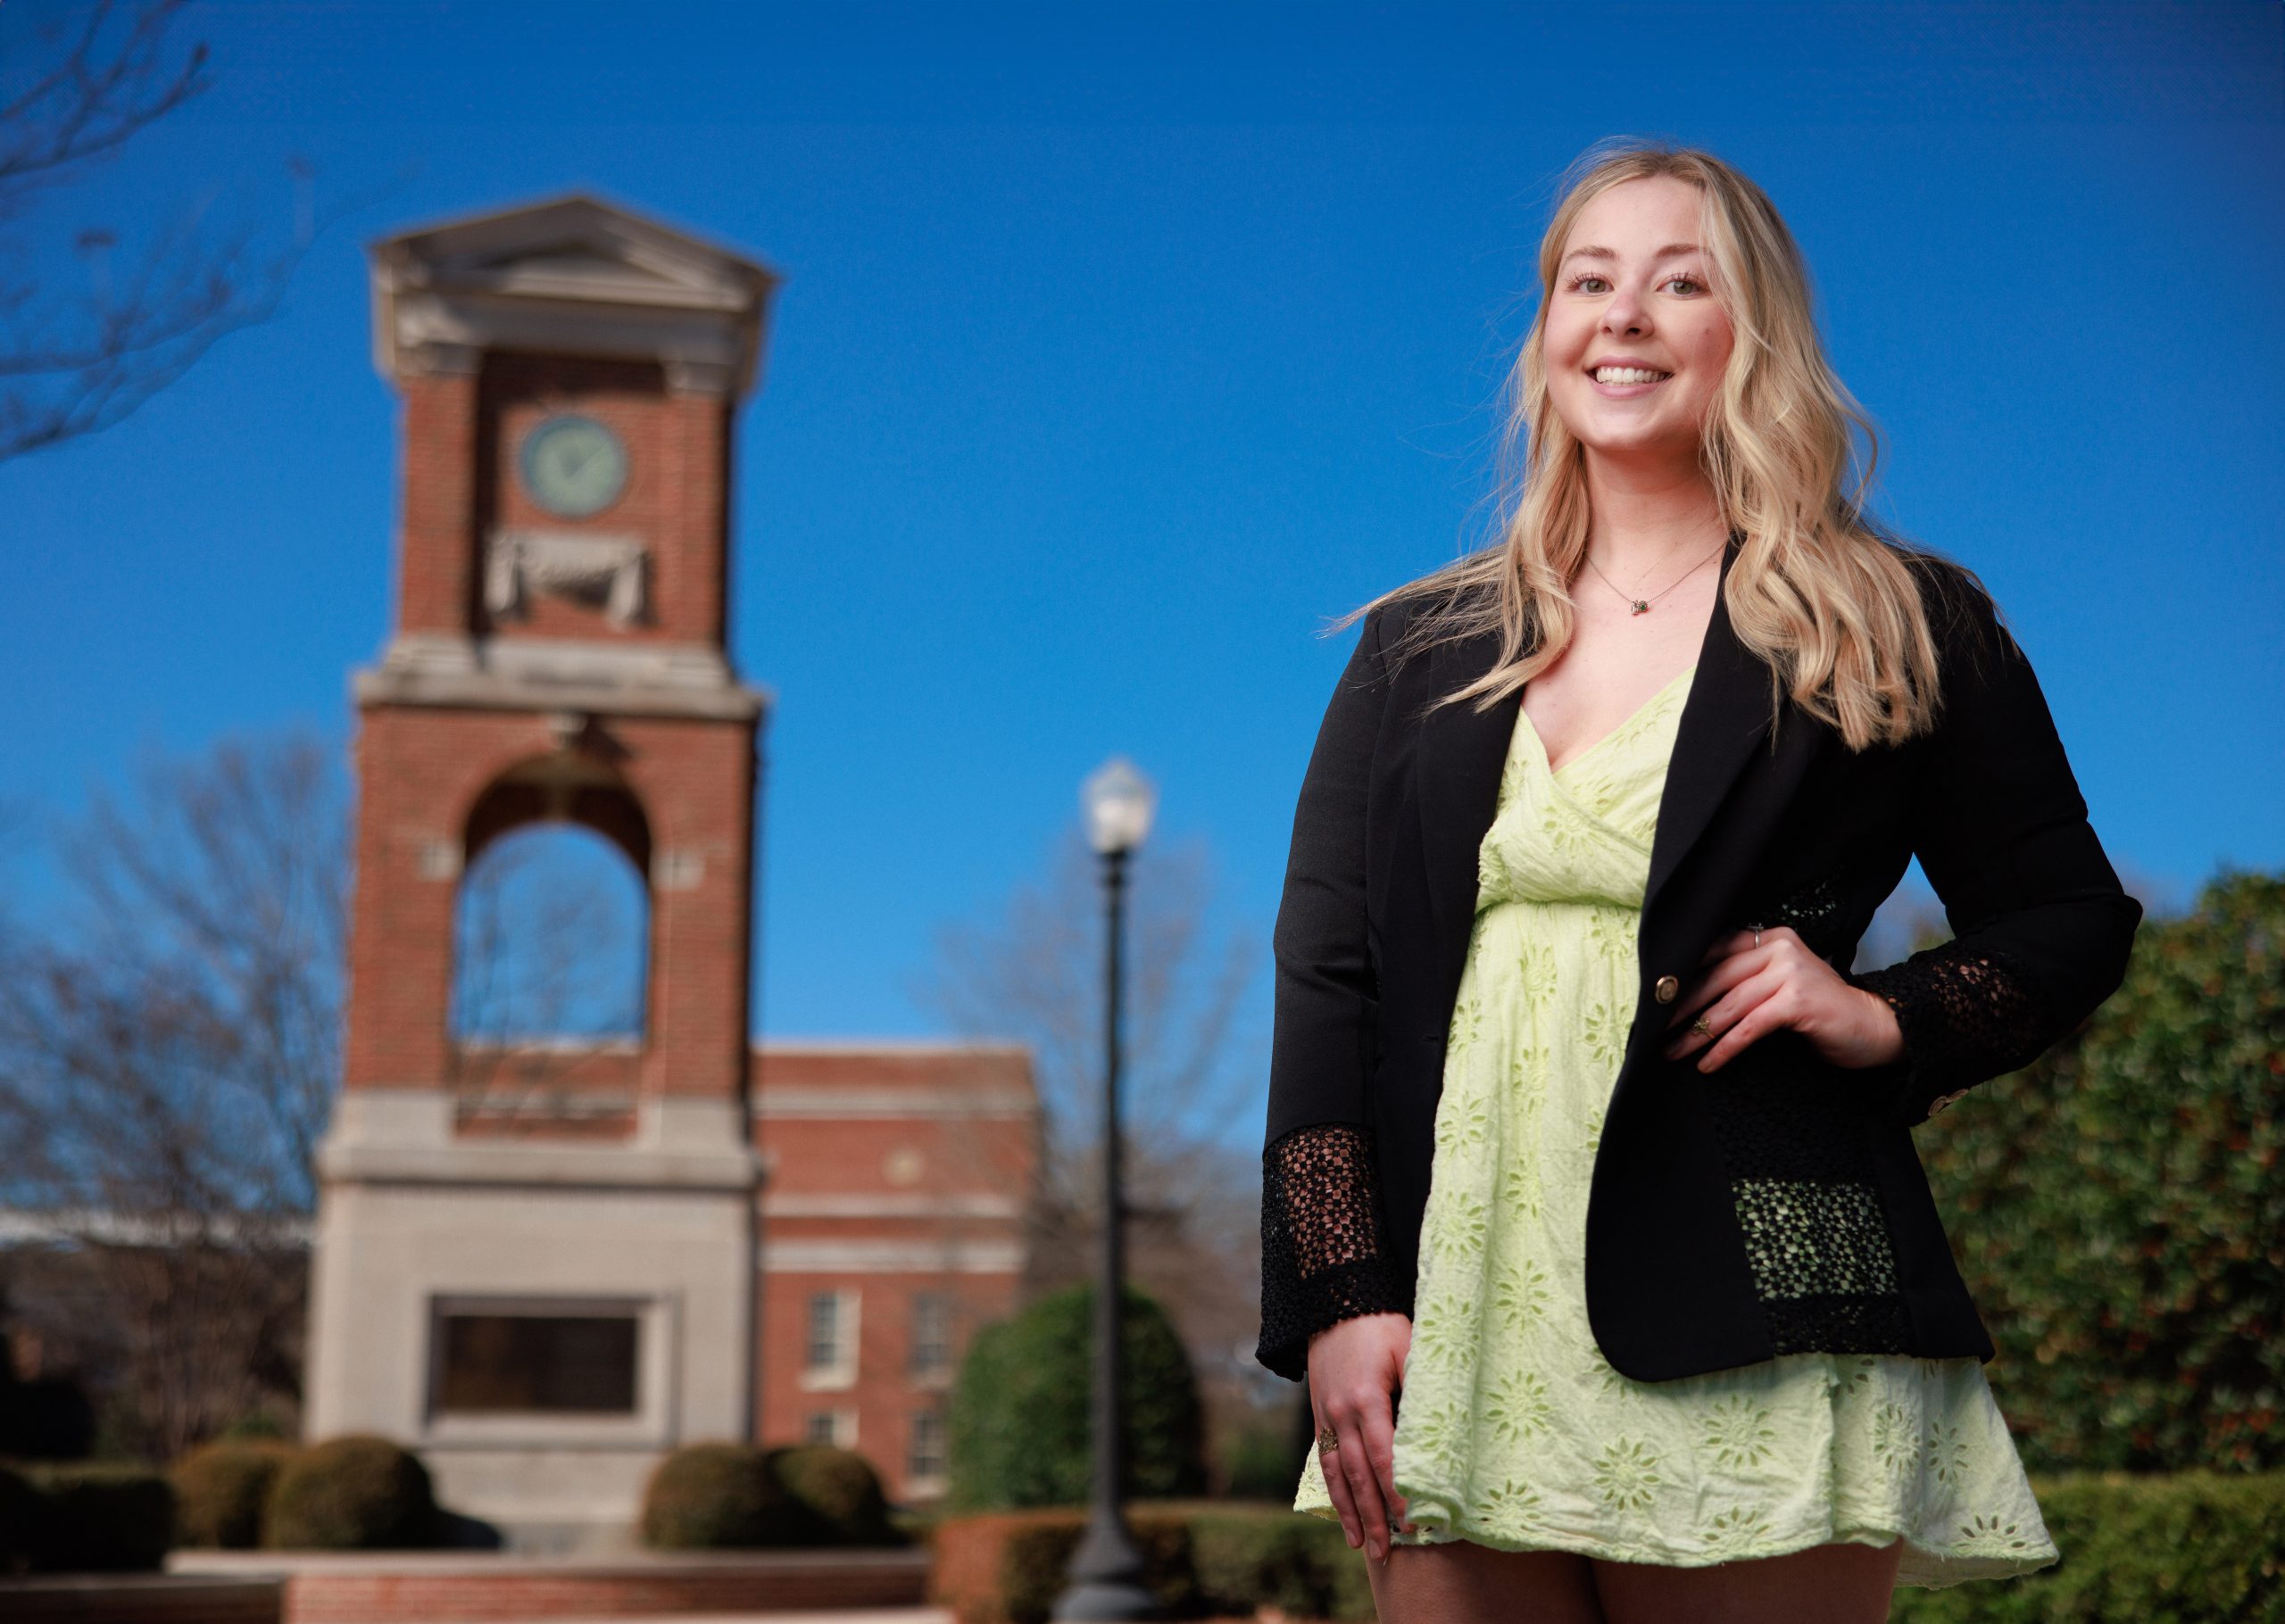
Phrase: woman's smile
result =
(1626, 392)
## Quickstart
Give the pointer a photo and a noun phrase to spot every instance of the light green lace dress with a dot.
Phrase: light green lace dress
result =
(1513, 1431)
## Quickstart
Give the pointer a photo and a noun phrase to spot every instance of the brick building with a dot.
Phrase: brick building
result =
(543, 1265)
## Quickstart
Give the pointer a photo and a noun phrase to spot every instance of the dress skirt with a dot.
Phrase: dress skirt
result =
(1512, 1429)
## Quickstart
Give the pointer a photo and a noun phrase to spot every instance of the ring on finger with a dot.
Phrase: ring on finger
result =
(1328, 1440)
(1698, 1024)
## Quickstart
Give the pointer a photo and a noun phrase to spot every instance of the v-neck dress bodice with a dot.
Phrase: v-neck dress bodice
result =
(1513, 1430)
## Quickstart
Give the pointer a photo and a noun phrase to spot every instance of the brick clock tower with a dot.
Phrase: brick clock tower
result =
(542, 1283)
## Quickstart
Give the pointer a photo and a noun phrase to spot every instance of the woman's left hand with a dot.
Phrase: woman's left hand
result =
(1748, 991)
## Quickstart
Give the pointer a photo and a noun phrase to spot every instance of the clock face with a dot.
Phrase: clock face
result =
(573, 465)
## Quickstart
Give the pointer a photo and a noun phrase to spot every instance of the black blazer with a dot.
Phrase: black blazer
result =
(1776, 1204)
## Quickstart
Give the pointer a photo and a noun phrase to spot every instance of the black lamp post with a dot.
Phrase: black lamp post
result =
(1106, 1571)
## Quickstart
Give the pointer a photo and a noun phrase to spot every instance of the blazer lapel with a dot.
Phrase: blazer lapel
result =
(1461, 752)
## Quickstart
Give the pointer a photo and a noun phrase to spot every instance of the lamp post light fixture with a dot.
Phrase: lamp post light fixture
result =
(1106, 1572)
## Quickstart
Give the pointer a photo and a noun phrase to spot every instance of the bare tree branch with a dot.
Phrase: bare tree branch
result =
(74, 365)
(168, 1051)
(1035, 975)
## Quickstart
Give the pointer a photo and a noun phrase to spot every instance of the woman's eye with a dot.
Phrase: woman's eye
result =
(1578, 283)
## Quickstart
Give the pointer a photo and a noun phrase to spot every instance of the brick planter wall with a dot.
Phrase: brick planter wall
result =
(385, 1588)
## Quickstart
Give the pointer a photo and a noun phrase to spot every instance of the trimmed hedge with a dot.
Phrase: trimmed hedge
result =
(841, 1491)
(722, 1496)
(1020, 1430)
(86, 1517)
(220, 1490)
(726, 1497)
(358, 1492)
(2193, 1548)
(1009, 1567)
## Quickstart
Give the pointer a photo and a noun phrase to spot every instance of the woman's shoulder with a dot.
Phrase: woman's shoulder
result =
(1409, 619)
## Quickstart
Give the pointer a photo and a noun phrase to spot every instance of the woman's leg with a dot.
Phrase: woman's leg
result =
(1465, 1583)
(1831, 1584)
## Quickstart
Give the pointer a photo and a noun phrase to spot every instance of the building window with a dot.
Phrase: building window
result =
(835, 1426)
(829, 1350)
(825, 1328)
(558, 1364)
(932, 1333)
(924, 1458)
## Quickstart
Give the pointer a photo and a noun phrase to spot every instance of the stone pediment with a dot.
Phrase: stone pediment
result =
(576, 272)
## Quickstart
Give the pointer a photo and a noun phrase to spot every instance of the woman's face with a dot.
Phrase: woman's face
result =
(1620, 295)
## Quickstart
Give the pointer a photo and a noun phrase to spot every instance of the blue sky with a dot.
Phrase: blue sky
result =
(1120, 346)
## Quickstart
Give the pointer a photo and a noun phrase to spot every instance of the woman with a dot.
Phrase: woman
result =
(1589, 1205)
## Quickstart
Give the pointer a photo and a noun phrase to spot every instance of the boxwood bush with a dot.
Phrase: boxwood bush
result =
(841, 1491)
(723, 1496)
(221, 1491)
(2188, 1548)
(85, 1517)
(358, 1492)
(1019, 1430)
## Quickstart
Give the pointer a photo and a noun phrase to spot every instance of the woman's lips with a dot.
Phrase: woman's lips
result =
(1625, 392)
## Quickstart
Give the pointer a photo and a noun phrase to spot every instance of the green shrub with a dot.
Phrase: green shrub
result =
(1262, 1459)
(1019, 1427)
(353, 1493)
(1009, 1567)
(722, 1496)
(101, 1518)
(2195, 1547)
(2192, 1548)
(22, 1508)
(221, 1490)
(1300, 1564)
(2119, 1208)
(841, 1490)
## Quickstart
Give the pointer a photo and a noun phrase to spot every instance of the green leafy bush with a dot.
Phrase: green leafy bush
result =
(2118, 1208)
(2195, 1547)
(1009, 1567)
(358, 1492)
(723, 1496)
(220, 1490)
(1019, 1428)
(94, 1517)
(840, 1489)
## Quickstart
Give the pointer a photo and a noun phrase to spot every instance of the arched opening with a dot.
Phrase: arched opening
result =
(550, 941)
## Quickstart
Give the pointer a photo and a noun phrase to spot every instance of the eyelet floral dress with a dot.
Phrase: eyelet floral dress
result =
(1513, 1431)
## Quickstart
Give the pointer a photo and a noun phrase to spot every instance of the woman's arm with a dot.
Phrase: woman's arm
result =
(1322, 1255)
(2041, 928)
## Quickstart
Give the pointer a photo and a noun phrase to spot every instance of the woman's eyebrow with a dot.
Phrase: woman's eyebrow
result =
(1594, 252)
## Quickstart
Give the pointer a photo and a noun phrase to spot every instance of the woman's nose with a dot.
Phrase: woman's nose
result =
(1625, 314)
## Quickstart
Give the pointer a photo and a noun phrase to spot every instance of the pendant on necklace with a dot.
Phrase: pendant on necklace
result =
(1640, 606)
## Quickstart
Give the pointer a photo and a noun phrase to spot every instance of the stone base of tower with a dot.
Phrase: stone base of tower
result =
(539, 1321)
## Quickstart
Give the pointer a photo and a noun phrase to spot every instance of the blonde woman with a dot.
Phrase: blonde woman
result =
(1590, 1206)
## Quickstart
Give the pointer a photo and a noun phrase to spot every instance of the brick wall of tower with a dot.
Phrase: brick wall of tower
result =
(436, 560)
(420, 770)
(462, 435)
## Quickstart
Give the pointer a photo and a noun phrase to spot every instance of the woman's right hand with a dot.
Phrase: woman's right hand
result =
(1356, 1372)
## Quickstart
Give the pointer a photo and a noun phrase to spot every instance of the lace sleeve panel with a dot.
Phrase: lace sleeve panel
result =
(1323, 1259)
(1966, 1017)
(2042, 929)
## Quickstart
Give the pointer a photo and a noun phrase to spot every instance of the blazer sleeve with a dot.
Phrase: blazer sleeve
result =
(2041, 928)
(1323, 1257)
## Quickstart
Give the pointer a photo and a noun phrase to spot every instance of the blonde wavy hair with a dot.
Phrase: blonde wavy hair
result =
(1825, 595)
